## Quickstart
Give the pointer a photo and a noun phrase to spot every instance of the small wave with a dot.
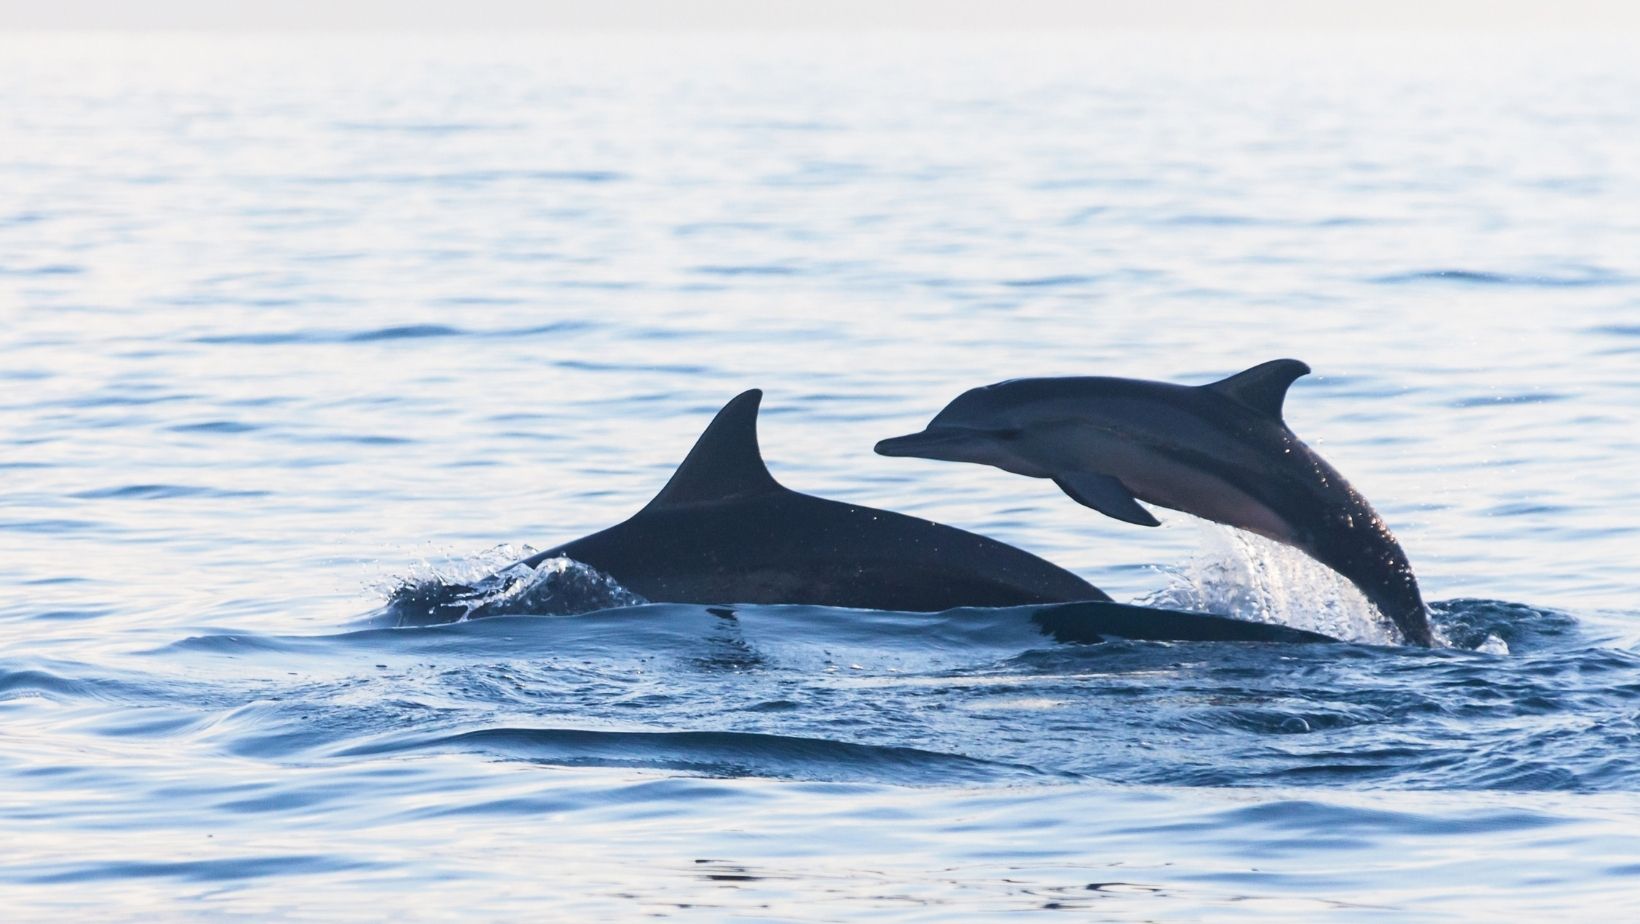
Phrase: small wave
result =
(50, 269)
(1591, 276)
(253, 866)
(1215, 220)
(1616, 330)
(261, 338)
(771, 269)
(1311, 819)
(65, 681)
(426, 128)
(1475, 624)
(467, 177)
(400, 332)
(216, 426)
(1049, 282)
(124, 399)
(38, 683)
(397, 332)
(50, 525)
(1532, 397)
(160, 492)
(22, 218)
(712, 753)
(406, 332)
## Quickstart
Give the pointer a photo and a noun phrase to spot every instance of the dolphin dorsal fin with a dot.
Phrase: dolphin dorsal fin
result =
(725, 461)
(1263, 387)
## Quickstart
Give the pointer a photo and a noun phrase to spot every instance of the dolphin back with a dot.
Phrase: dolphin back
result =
(723, 530)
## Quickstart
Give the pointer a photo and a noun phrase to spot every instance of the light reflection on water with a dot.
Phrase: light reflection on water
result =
(285, 317)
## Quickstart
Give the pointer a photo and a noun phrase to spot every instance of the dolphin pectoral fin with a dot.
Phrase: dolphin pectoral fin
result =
(1106, 495)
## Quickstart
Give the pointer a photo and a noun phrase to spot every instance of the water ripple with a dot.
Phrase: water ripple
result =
(398, 332)
(727, 754)
(161, 492)
(1580, 278)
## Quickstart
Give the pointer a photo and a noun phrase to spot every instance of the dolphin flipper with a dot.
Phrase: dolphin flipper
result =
(1106, 495)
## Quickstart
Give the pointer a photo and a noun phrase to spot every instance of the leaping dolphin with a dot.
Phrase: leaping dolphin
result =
(723, 531)
(1219, 451)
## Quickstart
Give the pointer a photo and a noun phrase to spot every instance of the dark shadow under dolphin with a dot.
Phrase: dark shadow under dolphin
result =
(723, 531)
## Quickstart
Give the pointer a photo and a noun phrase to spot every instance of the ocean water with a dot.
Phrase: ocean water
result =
(289, 323)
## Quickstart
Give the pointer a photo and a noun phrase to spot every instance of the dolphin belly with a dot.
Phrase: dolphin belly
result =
(1195, 483)
(1165, 482)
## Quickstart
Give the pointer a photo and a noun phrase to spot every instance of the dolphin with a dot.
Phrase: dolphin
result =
(723, 531)
(1219, 451)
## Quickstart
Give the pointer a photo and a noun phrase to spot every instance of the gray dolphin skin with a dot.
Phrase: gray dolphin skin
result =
(1219, 451)
(723, 532)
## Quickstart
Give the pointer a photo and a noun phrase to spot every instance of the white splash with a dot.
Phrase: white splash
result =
(497, 582)
(442, 566)
(1235, 573)
(557, 586)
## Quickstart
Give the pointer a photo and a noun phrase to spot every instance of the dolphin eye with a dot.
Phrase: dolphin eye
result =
(1008, 434)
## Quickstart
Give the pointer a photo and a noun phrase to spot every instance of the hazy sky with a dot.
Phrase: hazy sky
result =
(804, 15)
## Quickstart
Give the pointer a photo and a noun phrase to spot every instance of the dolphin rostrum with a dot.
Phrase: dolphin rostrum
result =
(723, 531)
(1219, 451)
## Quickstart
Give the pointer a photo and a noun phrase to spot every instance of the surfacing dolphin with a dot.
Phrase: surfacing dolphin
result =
(1219, 451)
(723, 531)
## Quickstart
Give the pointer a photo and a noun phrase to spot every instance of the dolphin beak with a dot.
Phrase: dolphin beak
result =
(924, 445)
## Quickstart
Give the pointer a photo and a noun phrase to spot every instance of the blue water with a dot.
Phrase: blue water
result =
(292, 323)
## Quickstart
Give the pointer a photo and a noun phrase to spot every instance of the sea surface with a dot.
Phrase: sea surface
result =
(288, 325)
